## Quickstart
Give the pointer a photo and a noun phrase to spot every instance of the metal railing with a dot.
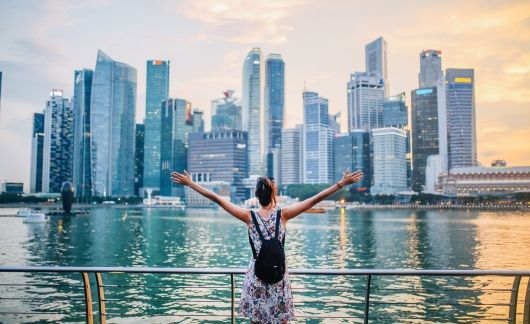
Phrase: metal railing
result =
(94, 302)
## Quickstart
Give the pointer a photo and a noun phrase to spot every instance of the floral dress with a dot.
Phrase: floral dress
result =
(261, 302)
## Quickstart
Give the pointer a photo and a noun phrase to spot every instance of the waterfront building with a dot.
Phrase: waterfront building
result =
(478, 180)
(253, 122)
(376, 61)
(390, 163)
(430, 68)
(274, 93)
(81, 105)
(291, 155)
(220, 156)
(317, 138)
(13, 187)
(157, 91)
(37, 151)
(226, 113)
(365, 101)
(58, 142)
(178, 121)
(112, 118)
(139, 158)
(461, 123)
(196, 200)
(352, 151)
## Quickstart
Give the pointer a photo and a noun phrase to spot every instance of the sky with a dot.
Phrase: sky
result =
(321, 42)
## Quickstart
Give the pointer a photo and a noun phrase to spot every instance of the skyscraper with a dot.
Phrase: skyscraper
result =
(365, 101)
(352, 151)
(226, 113)
(317, 139)
(390, 164)
(58, 142)
(253, 121)
(81, 107)
(37, 151)
(139, 159)
(220, 156)
(461, 124)
(274, 99)
(430, 68)
(177, 123)
(424, 133)
(291, 155)
(112, 121)
(157, 90)
(376, 61)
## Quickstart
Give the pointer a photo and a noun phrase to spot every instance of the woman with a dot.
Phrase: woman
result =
(261, 302)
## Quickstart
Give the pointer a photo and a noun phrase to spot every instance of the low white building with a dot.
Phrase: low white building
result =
(390, 161)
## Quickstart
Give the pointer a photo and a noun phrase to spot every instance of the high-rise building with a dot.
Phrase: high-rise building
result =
(226, 113)
(81, 105)
(352, 151)
(334, 123)
(390, 164)
(291, 155)
(317, 139)
(157, 91)
(58, 142)
(376, 61)
(220, 156)
(424, 132)
(112, 121)
(430, 68)
(178, 121)
(253, 122)
(461, 124)
(139, 158)
(37, 151)
(365, 101)
(274, 93)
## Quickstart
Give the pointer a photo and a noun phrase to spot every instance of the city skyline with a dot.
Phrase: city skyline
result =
(501, 96)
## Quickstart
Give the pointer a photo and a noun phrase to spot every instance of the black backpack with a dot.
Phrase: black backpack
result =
(270, 262)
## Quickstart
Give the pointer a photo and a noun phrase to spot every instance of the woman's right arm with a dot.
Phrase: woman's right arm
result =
(233, 209)
(296, 209)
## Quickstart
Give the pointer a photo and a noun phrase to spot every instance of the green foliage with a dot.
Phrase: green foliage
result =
(7, 198)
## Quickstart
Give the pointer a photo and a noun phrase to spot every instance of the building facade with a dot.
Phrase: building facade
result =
(376, 61)
(390, 163)
(365, 101)
(220, 156)
(112, 117)
(253, 115)
(352, 151)
(157, 91)
(291, 155)
(317, 139)
(226, 113)
(82, 175)
(58, 149)
(430, 68)
(461, 122)
(139, 159)
(37, 151)
(274, 93)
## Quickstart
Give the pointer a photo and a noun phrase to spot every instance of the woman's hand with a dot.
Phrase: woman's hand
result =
(349, 178)
(181, 178)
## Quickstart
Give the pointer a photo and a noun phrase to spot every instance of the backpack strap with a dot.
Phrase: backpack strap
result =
(256, 224)
(254, 254)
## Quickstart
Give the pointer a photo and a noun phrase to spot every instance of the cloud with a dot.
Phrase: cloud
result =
(243, 22)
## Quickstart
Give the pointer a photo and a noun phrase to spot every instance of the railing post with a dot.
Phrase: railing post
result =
(88, 299)
(367, 299)
(232, 297)
(101, 299)
(526, 317)
(513, 300)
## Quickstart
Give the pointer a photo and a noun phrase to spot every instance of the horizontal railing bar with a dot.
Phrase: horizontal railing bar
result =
(41, 313)
(442, 289)
(227, 271)
(165, 315)
(133, 286)
(437, 304)
(172, 300)
(44, 298)
(38, 285)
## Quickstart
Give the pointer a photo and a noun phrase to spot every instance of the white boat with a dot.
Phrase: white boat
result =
(24, 212)
(34, 216)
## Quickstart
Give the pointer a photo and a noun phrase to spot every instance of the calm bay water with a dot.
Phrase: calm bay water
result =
(340, 239)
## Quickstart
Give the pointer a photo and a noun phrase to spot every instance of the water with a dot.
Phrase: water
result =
(418, 239)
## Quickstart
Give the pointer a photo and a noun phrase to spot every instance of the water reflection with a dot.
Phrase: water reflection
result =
(207, 238)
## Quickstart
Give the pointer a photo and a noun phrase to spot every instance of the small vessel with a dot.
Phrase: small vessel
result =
(24, 212)
(34, 216)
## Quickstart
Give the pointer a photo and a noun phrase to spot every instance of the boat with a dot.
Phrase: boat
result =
(24, 212)
(35, 217)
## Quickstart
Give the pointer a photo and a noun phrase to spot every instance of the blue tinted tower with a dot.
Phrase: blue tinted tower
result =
(274, 99)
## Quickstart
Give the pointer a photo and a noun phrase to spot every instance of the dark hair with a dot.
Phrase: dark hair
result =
(266, 191)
